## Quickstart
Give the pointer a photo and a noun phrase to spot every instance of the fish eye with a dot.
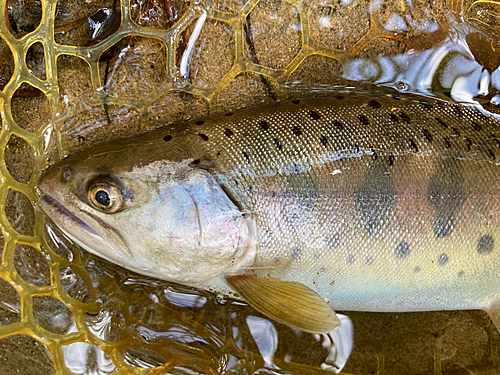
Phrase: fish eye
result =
(105, 196)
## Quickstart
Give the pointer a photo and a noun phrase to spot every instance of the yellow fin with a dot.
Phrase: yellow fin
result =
(287, 302)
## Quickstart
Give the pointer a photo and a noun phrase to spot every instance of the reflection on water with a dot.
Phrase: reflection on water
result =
(123, 67)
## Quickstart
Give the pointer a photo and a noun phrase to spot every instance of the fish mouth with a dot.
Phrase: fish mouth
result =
(84, 234)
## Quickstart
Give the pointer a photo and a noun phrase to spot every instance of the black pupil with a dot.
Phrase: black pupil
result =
(102, 198)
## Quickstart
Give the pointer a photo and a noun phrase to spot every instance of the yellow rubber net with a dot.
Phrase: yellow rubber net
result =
(75, 73)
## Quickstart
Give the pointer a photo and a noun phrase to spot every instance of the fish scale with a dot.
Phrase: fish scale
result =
(376, 203)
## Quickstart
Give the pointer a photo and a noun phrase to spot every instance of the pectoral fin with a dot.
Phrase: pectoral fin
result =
(493, 311)
(287, 302)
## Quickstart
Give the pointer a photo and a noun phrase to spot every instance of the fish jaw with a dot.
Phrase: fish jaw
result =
(85, 231)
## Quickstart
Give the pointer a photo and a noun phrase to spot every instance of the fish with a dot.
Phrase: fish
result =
(382, 202)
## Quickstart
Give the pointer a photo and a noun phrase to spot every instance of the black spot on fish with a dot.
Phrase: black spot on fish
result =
(369, 260)
(296, 130)
(375, 198)
(485, 244)
(440, 105)
(323, 140)
(317, 256)
(296, 101)
(425, 103)
(374, 104)
(405, 117)
(402, 250)
(228, 133)
(340, 97)
(447, 142)
(495, 140)
(443, 259)
(338, 125)
(332, 241)
(297, 255)
(314, 115)
(476, 126)
(229, 114)
(393, 117)
(276, 259)
(491, 154)
(363, 120)
(277, 144)
(413, 145)
(246, 156)
(264, 125)
(461, 273)
(455, 131)
(441, 122)
(203, 136)
(351, 259)
(469, 143)
(447, 194)
(167, 138)
(390, 159)
(200, 122)
(374, 154)
(416, 269)
(428, 136)
(396, 96)
(356, 148)
(458, 110)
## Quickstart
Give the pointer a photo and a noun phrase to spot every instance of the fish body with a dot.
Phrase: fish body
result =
(375, 203)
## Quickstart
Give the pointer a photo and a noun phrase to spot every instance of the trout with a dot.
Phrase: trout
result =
(365, 202)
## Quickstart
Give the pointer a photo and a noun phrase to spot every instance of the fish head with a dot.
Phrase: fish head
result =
(161, 218)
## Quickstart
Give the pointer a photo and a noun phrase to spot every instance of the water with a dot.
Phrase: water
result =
(63, 310)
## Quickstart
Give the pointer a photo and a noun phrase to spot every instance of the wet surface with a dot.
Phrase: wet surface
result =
(118, 71)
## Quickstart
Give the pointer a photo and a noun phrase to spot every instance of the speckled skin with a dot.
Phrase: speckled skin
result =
(377, 203)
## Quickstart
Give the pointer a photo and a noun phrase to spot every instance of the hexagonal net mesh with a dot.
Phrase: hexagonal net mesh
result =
(74, 73)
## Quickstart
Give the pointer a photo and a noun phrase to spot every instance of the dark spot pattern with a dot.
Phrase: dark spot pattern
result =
(167, 138)
(440, 105)
(447, 142)
(340, 97)
(375, 198)
(390, 159)
(356, 148)
(296, 101)
(416, 269)
(461, 273)
(402, 250)
(314, 115)
(246, 156)
(351, 259)
(228, 133)
(203, 136)
(363, 120)
(324, 140)
(297, 255)
(332, 241)
(369, 260)
(277, 143)
(405, 117)
(443, 259)
(374, 154)
(476, 126)
(495, 140)
(447, 194)
(338, 125)
(485, 244)
(229, 114)
(296, 130)
(199, 122)
(468, 143)
(458, 110)
(393, 117)
(317, 256)
(491, 154)
(264, 125)
(425, 103)
(455, 131)
(428, 136)
(441, 122)
(413, 145)
(374, 104)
